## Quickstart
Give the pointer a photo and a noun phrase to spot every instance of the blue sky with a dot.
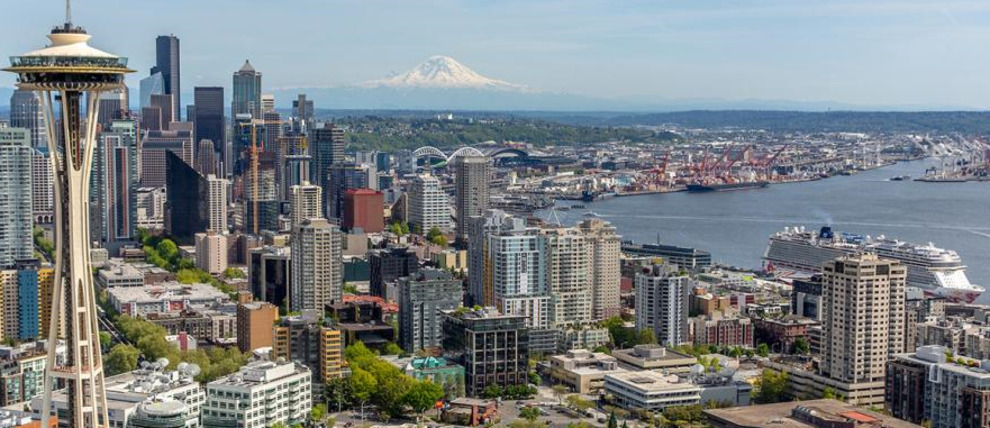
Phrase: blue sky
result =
(908, 52)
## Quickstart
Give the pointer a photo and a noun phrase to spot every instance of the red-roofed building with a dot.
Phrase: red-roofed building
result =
(364, 209)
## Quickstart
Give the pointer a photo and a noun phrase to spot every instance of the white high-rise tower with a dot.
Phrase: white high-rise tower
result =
(64, 74)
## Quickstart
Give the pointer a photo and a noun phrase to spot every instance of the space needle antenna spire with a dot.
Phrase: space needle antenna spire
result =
(68, 13)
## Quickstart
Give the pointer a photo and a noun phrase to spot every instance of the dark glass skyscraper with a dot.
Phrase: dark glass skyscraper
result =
(209, 121)
(187, 195)
(327, 148)
(167, 63)
(247, 92)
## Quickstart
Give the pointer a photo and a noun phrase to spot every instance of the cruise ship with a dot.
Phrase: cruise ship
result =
(936, 271)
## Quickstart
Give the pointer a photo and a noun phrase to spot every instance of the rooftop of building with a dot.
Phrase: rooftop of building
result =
(784, 415)
(945, 360)
(259, 373)
(653, 353)
(650, 381)
(167, 291)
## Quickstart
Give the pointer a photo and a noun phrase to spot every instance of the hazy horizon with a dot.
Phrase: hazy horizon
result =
(904, 53)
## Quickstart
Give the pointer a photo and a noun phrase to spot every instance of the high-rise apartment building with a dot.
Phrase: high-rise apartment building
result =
(303, 340)
(167, 64)
(662, 304)
(472, 175)
(211, 252)
(113, 184)
(261, 193)
(267, 103)
(863, 327)
(493, 348)
(326, 145)
(605, 247)
(570, 275)
(25, 112)
(209, 120)
(217, 202)
(42, 187)
(317, 265)
(254, 325)
(305, 201)
(16, 156)
(926, 386)
(428, 206)
(508, 261)
(422, 297)
(247, 92)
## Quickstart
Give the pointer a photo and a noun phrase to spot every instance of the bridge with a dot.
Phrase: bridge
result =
(428, 152)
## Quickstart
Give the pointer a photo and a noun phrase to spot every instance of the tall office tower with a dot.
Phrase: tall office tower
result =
(569, 275)
(161, 113)
(151, 85)
(303, 113)
(421, 298)
(428, 206)
(295, 171)
(247, 92)
(25, 112)
(153, 150)
(167, 63)
(512, 260)
(267, 103)
(16, 156)
(206, 161)
(317, 265)
(662, 304)
(113, 106)
(208, 117)
(493, 348)
(217, 188)
(341, 178)
(186, 200)
(605, 265)
(42, 187)
(273, 131)
(72, 69)
(260, 194)
(863, 327)
(248, 134)
(472, 175)
(268, 274)
(386, 266)
(305, 202)
(114, 183)
(326, 145)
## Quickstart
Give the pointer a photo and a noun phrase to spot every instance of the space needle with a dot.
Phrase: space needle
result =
(62, 73)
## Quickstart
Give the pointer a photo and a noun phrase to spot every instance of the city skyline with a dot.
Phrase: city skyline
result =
(886, 55)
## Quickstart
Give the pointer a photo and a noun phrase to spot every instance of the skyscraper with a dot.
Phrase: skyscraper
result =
(186, 201)
(472, 175)
(305, 202)
(327, 148)
(605, 264)
(662, 304)
(42, 187)
(71, 68)
(569, 275)
(303, 113)
(16, 155)
(340, 178)
(153, 150)
(114, 183)
(113, 105)
(206, 160)
(209, 118)
(428, 204)
(217, 202)
(247, 92)
(167, 63)
(160, 114)
(25, 112)
(421, 298)
(151, 85)
(863, 327)
(317, 265)
(260, 193)
(267, 103)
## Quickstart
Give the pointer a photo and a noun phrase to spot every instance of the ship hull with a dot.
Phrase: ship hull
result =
(728, 187)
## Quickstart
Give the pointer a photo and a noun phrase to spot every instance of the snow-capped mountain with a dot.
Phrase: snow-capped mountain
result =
(443, 72)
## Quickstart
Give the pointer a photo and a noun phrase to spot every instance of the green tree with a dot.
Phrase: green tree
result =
(363, 386)
(492, 391)
(801, 346)
(526, 423)
(391, 348)
(233, 273)
(530, 413)
(422, 396)
(828, 392)
(435, 236)
(575, 402)
(688, 413)
(763, 350)
(392, 387)
(770, 387)
(105, 340)
(613, 422)
(338, 391)
(318, 412)
(560, 391)
(359, 355)
(121, 359)
(646, 337)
